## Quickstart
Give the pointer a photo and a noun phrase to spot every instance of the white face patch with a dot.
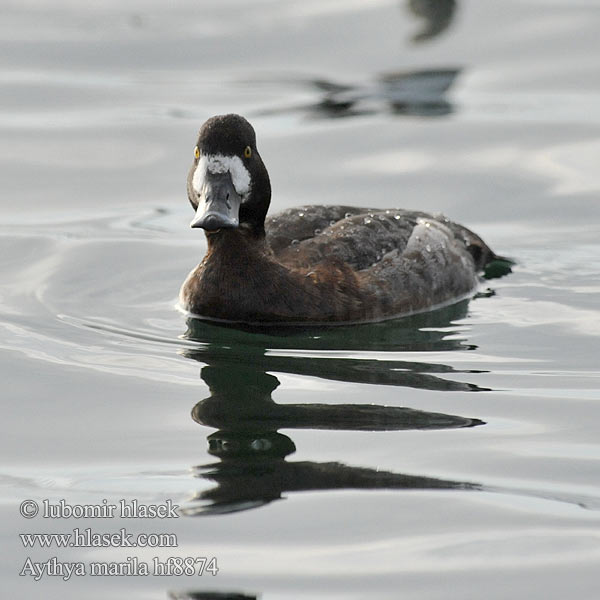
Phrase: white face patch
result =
(218, 163)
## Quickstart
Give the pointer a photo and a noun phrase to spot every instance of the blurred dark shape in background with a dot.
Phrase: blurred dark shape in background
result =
(190, 595)
(436, 16)
(412, 93)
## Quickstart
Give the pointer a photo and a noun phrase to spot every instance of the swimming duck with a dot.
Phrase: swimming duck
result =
(314, 264)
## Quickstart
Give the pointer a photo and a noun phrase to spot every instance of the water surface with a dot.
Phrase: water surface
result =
(450, 453)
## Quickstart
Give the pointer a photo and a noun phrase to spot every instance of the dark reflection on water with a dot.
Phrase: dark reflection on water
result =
(423, 332)
(428, 332)
(253, 470)
(241, 400)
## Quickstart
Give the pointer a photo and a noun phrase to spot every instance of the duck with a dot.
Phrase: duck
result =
(314, 264)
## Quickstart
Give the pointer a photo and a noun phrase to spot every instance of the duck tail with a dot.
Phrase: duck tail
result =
(498, 266)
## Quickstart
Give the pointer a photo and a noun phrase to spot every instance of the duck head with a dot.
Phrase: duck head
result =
(228, 184)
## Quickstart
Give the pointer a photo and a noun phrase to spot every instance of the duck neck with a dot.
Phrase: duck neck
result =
(238, 247)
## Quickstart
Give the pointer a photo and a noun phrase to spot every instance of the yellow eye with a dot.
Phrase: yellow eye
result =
(248, 152)
(196, 152)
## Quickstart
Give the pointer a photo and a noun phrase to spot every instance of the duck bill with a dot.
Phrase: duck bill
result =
(218, 204)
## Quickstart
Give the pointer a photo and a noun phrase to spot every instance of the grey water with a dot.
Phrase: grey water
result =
(452, 454)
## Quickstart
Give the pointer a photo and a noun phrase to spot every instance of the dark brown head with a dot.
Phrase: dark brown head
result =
(228, 184)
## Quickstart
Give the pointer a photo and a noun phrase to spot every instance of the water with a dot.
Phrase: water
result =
(451, 454)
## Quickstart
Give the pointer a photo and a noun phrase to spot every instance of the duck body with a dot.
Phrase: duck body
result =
(314, 264)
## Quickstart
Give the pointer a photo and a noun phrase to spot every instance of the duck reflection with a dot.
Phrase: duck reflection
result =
(344, 353)
(241, 400)
(253, 469)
